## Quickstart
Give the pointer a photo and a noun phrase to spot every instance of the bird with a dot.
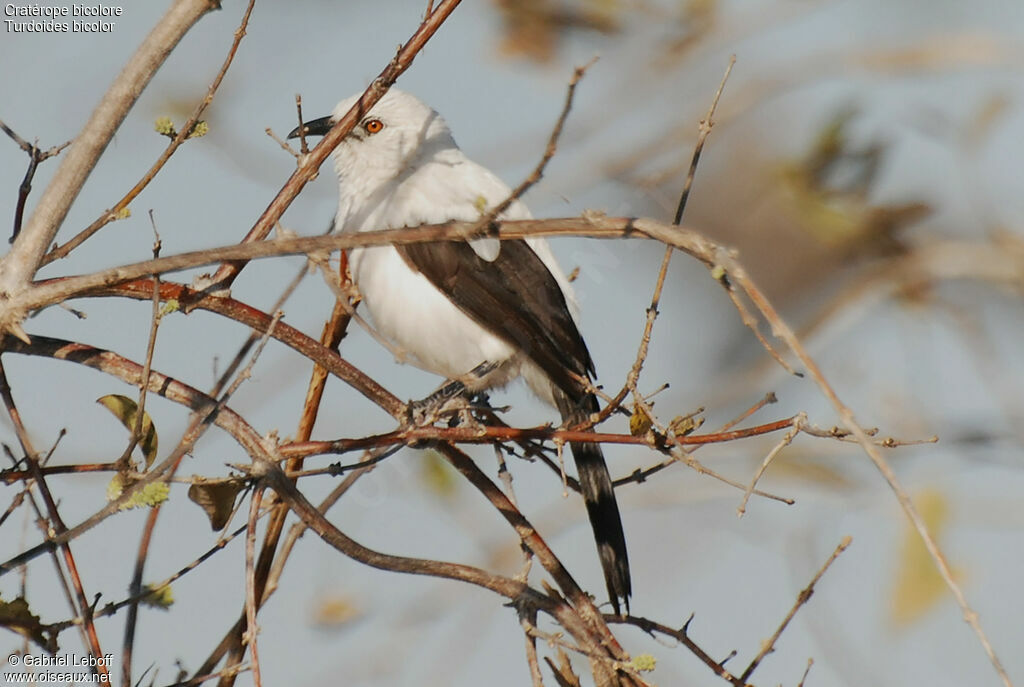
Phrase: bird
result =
(481, 312)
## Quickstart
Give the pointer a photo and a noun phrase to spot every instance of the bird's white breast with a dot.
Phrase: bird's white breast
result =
(404, 306)
(408, 311)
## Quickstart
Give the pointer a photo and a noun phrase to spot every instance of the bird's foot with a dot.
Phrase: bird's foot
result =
(450, 400)
(435, 406)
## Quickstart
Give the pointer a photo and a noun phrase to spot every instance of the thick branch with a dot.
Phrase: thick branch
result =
(595, 226)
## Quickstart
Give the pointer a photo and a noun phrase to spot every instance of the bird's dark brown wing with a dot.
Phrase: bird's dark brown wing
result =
(514, 297)
(517, 298)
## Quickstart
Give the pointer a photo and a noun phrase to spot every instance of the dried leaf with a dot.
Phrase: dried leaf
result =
(335, 611)
(16, 617)
(216, 499)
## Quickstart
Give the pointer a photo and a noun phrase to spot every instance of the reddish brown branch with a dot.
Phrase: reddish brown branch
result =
(260, 321)
(490, 434)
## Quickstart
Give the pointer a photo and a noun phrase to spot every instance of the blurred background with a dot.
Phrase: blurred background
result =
(865, 162)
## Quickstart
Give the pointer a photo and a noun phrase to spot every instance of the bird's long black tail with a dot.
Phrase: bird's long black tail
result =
(599, 497)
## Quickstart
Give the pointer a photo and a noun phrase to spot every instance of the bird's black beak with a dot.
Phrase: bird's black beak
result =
(316, 127)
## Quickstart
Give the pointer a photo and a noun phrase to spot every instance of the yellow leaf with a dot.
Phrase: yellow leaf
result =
(918, 584)
(438, 475)
(125, 409)
(639, 422)
(683, 425)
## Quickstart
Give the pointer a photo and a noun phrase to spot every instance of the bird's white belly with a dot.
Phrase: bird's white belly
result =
(412, 314)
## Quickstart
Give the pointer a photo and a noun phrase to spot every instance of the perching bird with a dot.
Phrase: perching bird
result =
(483, 312)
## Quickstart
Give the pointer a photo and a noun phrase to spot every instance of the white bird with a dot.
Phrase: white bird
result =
(483, 312)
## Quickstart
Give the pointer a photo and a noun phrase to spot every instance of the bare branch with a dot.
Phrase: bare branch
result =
(802, 598)
(782, 331)
(18, 267)
(186, 131)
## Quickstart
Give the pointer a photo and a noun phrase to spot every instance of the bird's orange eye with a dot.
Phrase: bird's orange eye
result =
(373, 126)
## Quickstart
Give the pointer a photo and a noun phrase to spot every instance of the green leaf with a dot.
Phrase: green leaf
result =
(125, 410)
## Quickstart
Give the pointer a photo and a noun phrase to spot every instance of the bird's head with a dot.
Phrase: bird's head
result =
(397, 132)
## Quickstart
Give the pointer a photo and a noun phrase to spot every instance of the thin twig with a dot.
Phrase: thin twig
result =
(704, 127)
(807, 670)
(528, 623)
(705, 131)
(22, 262)
(798, 422)
(154, 325)
(681, 635)
(802, 598)
(252, 631)
(310, 164)
(549, 152)
(783, 331)
(35, 156)
(186, 131)
(303, 148)
(112, 608)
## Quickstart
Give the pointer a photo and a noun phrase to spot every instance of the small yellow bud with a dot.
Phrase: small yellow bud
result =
(643, 663)
(165, 127)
